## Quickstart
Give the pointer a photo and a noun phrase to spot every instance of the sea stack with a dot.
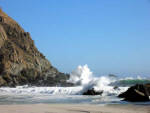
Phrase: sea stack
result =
(20, 61)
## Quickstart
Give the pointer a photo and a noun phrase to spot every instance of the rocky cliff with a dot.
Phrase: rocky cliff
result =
(20, 61)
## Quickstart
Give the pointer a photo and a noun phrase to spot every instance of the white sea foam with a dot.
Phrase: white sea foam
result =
(134, 78)
(108, 90)
(41, 90)
(82, 77)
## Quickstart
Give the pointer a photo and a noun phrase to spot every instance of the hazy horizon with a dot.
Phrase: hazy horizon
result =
(108, 36)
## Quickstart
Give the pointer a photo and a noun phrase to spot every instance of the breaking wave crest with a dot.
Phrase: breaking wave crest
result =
(129, 81)
(84, 79)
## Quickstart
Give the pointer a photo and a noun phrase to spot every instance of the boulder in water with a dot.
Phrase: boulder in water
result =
(137, 93)
(92, 92)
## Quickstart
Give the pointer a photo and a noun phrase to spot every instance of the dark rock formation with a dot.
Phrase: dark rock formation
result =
(20, 61)
(92, 92)
(137, 93)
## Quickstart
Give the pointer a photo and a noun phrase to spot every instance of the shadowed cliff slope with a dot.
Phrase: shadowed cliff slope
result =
(20, 61)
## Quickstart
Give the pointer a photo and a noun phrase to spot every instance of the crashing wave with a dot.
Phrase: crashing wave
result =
(84, 79)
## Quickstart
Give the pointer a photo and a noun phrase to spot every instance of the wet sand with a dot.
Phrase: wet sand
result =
(73, 108)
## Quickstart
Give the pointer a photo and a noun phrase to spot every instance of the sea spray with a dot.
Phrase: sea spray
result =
(83, 76)
(84, 79)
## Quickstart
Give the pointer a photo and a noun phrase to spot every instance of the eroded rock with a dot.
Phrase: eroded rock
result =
(137, 93)
(20, 61)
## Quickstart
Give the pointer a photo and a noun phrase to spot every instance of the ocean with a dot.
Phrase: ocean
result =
(84, 79)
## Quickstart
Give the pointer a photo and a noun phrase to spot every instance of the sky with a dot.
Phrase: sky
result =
(110, 36)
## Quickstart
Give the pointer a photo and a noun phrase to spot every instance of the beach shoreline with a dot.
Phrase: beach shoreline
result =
(73, 108)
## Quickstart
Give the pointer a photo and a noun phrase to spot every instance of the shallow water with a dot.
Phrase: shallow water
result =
(63, 99)
(72, 99)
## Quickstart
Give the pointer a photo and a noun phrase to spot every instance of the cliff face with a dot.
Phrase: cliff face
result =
(20, 61)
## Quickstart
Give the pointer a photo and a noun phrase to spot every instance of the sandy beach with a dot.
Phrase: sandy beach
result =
(73, 108)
